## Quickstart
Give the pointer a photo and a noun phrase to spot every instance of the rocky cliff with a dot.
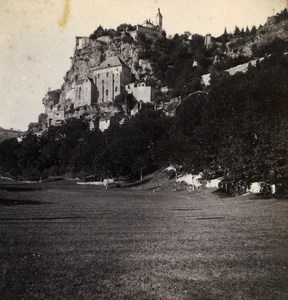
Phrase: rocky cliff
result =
(276, 27)
(94, 52)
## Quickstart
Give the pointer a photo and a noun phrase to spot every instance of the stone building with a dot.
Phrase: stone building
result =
(53, 109)
(140, 92)
(82, 41)
(110, 78)
(152, 30)
(210, 42)
(55, 116)
(85, 93)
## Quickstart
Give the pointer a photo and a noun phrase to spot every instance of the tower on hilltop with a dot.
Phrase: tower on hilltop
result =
(159, 21)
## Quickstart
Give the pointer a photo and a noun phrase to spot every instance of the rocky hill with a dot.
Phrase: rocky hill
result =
(177, 63)
(90, 55)
(275, 28)
(235, 128)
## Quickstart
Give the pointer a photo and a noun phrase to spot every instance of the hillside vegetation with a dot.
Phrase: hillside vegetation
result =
(236, 128)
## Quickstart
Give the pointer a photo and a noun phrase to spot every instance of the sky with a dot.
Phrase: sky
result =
(37, 38)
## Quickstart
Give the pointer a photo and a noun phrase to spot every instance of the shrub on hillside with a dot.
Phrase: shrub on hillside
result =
(275, 47)
(31, 174)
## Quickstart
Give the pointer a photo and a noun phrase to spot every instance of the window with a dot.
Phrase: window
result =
(102, 81)
(107, 93)
(116, 89)
(98, 76)
(107, 74)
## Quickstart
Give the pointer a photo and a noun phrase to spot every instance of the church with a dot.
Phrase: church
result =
(152, 30)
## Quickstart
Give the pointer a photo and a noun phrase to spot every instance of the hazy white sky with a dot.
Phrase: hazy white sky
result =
(35, 51)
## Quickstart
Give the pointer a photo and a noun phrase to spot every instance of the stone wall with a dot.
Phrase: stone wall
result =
(141, 92)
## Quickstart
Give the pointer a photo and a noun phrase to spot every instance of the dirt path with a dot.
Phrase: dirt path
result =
(62, 241)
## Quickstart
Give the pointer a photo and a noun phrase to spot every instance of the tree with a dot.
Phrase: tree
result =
(247, 31)
(9, 159)
(98, 33)
(236, 31)
(253, 30)
(224, 37)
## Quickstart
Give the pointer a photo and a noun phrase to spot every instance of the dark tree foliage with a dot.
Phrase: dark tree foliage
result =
(112, 33)
(172, 60)
(239, 130)
(276, 46)
(230, 62)
(283, 15)
(100, 31)
(127, 150)
(9, 159)
(125, 27)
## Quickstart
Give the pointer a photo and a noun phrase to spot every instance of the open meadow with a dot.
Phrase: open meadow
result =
(64, 241)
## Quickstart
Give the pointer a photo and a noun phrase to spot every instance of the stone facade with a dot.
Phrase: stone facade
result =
(152, 30)
(90, 87)
(210, 41)
(53, 108)
(82, 41)
(85, 93)
(110, 78)
(140, 92)
(55, 116)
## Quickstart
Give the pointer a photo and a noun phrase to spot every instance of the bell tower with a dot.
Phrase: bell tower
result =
(159, 22)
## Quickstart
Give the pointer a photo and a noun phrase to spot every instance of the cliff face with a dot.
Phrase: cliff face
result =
(75, 99)
(93, 53)
(275, 27)
(271, 30)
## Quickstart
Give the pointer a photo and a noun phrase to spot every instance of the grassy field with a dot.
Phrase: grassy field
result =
(63, 241)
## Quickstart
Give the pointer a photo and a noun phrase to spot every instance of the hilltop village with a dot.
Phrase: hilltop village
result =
(100, 82)
(136, 100)
(108, 80)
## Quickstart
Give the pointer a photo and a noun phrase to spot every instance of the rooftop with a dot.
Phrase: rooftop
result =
(113, 61)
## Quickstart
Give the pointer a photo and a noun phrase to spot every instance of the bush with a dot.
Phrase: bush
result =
(277, 46)
(31, 174)
(266, 188)
(54, 171)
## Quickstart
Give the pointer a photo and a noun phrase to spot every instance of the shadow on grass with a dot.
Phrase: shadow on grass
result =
(18, 189)
(258, 196)
(12, 202)
(222, 194)
(132, 184)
